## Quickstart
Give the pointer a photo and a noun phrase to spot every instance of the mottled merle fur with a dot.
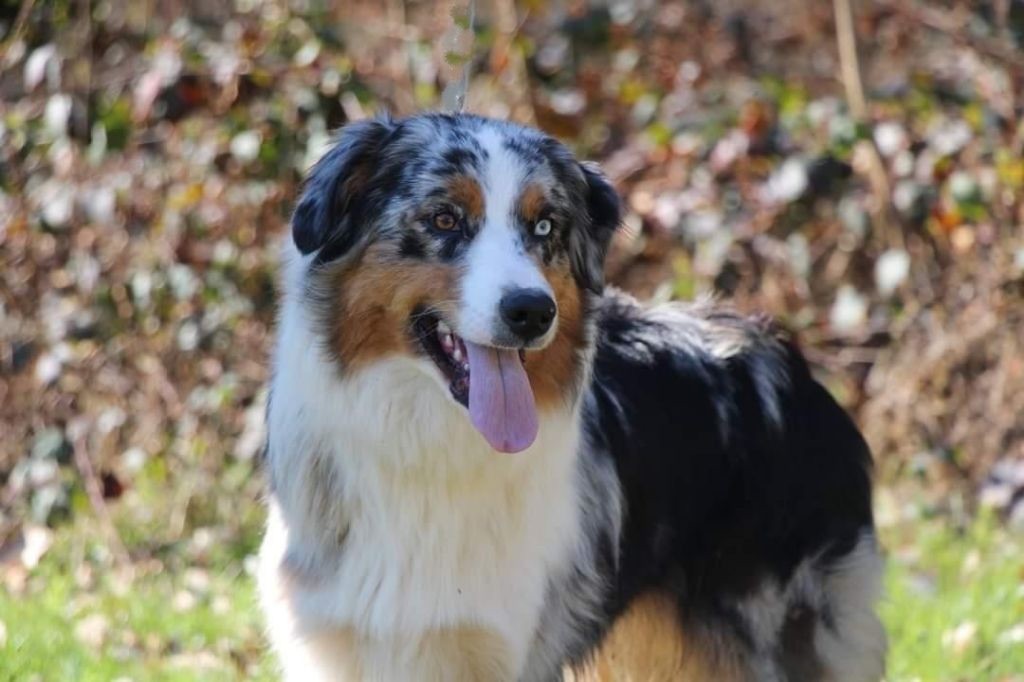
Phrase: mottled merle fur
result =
(712, 463)
(330, 219)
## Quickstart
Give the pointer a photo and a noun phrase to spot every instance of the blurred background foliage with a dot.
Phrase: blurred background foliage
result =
(150, 152)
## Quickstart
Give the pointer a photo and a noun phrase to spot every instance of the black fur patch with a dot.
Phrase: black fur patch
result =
(333, 191)
(412, 247)
(590, 244)
(734, 464)
(458, 159)
(450, 247)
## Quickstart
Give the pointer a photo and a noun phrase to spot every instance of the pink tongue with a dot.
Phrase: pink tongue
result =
(500, 398)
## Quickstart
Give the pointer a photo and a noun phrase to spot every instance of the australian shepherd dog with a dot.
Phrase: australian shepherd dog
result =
(484, 465)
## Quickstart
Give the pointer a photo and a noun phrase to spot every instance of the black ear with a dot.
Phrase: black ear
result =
(604, 213)
(323, 219)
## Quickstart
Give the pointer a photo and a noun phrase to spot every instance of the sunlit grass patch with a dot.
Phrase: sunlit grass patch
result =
(77, 617)
(954, 611)
(955, 603)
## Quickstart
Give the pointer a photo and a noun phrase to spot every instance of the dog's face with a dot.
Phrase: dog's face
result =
(469, 244)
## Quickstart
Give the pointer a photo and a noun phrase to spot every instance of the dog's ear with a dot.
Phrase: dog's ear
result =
(326, 215)
(590, 245)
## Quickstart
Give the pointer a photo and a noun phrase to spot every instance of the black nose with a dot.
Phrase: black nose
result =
(527, 312)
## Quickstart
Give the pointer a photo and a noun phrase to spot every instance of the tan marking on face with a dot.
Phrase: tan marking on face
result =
(532, 203)
(554, 370)
(649, 643)
(375, 299)
(467, 193)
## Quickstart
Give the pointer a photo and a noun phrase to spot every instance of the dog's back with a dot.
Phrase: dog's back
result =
(747, 548)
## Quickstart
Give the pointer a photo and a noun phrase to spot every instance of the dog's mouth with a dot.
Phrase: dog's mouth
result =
(490, 382)
(448, 352)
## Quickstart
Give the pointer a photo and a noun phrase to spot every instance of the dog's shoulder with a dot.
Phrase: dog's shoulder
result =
(701, 362)
(710, 412)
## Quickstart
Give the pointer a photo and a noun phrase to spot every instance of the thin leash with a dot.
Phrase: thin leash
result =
(453, 98)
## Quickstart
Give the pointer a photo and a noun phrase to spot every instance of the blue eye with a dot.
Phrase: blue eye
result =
(542, 228)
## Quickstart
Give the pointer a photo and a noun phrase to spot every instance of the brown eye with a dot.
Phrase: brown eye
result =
(446, 221)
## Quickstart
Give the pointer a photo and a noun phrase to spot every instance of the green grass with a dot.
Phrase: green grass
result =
(156, 623)
(955, 603)
(171, 621)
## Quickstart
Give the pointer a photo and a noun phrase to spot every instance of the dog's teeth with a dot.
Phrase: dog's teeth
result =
(447, 343)
(457, 352)
(443, 329)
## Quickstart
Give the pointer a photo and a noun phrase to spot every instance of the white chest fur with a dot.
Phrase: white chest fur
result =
(392, 518)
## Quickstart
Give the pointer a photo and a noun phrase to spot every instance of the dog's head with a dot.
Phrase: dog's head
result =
(470, 244)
